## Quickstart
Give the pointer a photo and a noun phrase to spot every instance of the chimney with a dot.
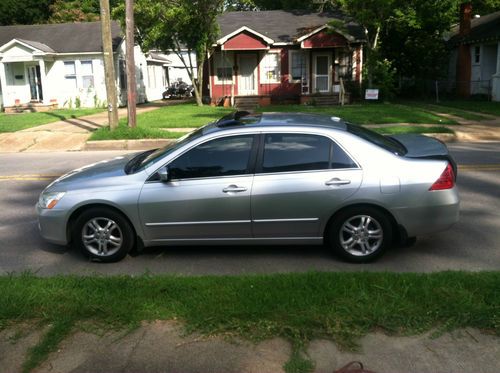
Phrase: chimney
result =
(465, 18)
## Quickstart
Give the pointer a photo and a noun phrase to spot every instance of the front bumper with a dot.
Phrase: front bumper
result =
(52, 225)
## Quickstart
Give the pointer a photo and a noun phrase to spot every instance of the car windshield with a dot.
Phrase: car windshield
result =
(143, 160)
(385, 142)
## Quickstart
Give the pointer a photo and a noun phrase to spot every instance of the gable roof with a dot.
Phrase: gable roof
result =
(62, 37)
(484, 28)
(285, 26)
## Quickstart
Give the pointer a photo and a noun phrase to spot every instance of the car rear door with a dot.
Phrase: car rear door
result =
(207, 196)
(300, 180)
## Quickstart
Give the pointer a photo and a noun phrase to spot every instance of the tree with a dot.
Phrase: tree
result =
(24, 12)
(178, 26)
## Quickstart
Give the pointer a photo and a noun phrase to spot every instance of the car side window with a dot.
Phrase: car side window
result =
(285, 152)
(220, 157)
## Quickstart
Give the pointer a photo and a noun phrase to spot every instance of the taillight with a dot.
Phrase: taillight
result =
(446, 180)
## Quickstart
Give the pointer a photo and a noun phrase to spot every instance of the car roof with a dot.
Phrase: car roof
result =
(249, 120)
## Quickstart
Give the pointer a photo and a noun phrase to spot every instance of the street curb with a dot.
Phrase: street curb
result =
(144, 144)
(444, 137)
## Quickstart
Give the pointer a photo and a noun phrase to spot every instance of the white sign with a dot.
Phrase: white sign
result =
(371, 94)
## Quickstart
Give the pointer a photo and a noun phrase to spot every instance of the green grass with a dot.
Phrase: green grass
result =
(369, 113)
(17, 122)
(440, 108)
(411, 129)
(299, 307)
(150, 124)
(485, 107)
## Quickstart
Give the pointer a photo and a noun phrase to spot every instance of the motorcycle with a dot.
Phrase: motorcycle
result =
(178, 90)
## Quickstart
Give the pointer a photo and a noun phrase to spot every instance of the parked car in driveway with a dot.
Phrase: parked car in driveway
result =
(270, 178)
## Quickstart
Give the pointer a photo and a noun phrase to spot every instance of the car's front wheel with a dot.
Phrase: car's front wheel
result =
(360, 234)
(103, 234)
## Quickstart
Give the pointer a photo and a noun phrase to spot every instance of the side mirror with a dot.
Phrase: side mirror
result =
(163, 174)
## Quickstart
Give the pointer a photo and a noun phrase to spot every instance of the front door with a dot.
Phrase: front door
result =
(321, 73)
(247, 85)
(208, 196)
(35, 82)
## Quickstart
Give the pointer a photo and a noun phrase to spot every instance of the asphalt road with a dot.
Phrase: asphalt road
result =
(472, 244)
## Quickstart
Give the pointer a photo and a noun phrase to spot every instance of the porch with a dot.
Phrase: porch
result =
(252, 102)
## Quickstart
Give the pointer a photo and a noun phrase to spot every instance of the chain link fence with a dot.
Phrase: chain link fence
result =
(448, 89)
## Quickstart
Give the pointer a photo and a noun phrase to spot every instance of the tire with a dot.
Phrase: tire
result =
(360, 234)
(103, 234)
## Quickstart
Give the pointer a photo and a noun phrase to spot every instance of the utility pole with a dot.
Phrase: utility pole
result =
(109, 68)
(131, 83)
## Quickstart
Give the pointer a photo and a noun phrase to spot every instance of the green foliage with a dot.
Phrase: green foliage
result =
(382, 76)
(24, 12)
(178, 25)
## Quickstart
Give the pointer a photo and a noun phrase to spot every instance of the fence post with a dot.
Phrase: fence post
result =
(437, 91)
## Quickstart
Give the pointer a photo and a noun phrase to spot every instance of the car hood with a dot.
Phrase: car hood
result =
(419, 146)
(93, 173)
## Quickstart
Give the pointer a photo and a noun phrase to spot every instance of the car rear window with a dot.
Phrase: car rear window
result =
(375, 138)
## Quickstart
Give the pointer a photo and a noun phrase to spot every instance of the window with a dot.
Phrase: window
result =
(70, 74)
(220, 157)
(87, 74)
(299, 67)
(270, 68)
(300, 152)
(477, 54)
(223, 68)
(151, 76)
(122, 71)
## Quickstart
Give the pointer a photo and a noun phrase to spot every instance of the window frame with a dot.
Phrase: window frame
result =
(476, 54)
(250, 168)
(229, 59)
(260, 157)
(91, 76)
(263, 64)
(306, 55)
(70, 77)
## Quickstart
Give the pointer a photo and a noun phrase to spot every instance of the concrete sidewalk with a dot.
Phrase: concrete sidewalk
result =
(66, 135)
(161, 347)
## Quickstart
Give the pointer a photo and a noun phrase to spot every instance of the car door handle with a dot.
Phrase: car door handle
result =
(234, 189)
(337, 181)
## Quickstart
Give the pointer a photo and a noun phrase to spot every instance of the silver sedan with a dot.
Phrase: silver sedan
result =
(268, 179)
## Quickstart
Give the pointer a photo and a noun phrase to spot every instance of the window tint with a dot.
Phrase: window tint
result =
(220, 157)
(340, 159)
(295, 152)
(299, 152)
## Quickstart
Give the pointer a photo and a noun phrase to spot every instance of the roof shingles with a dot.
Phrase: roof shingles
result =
(61, 38)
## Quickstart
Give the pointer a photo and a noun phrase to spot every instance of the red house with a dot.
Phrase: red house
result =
(283, 56)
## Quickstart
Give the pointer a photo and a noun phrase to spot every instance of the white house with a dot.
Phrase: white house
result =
(61, 65)
(176, 69)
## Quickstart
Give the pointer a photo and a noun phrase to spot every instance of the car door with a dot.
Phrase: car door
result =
(300, 180)
(207, 195)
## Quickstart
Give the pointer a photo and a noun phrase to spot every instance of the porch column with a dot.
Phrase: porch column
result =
(495, 79)
(3, 82)
(43, 78)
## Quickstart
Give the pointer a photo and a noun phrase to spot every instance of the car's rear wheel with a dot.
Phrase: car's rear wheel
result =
(360, 234)
(103, 234)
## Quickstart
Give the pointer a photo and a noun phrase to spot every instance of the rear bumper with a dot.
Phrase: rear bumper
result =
(52, 225)
(437, 213)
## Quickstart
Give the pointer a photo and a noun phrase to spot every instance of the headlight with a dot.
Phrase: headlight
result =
(49, 200)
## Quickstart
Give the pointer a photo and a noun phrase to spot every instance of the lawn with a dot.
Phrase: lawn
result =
(485, 107)
(298, 307)
(156, 124)
(17, 122)
(369, 113)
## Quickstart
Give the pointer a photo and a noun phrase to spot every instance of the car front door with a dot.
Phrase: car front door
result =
(299, 181)
(207, 196)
